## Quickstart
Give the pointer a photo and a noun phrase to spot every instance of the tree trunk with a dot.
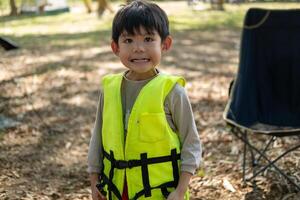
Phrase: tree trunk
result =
(103, 5)
(13, 7)
(217, 4)
(88, 5)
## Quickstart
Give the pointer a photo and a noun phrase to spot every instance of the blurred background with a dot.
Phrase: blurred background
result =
(53, 56)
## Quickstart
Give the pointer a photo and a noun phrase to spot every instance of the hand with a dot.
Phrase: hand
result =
(176, 195)
(96, 195)
(179, 192)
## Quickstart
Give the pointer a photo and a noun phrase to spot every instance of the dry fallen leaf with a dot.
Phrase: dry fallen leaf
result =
(227, 185)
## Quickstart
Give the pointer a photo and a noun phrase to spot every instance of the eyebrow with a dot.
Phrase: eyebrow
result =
(128, 34)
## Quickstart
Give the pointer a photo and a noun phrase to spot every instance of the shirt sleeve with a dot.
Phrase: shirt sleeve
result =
(183, 118)
(95, 153)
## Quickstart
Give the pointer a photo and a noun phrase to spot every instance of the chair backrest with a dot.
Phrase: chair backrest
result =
(267, 86)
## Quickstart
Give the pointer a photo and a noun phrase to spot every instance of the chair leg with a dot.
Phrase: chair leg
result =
(243, 136)
(254, 163)
(272, 163)
(266, 148)
(244, 162)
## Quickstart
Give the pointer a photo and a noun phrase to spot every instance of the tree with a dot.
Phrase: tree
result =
(217, 4)
(13, 7)
(102, 6)
(88, 5)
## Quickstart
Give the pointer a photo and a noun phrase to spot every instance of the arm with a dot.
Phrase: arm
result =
(178, 105)
(96, 195)
(95, 153)
(179, 192)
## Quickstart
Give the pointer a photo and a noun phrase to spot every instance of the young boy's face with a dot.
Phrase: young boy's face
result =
(141, 52)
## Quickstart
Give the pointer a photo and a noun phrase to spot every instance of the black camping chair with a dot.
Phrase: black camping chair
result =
(8, 44)
(265, 95)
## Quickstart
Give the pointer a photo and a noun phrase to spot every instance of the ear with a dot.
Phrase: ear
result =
(167, 43)
(115, 47)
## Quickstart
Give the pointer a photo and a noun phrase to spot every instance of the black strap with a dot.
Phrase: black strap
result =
(165, 192)
(163, 187)
(111, 187)
(145, 175)
(100, 187)
(175, 166)
(174, 159)
(123, 164)
(111, 174)
(143, 163)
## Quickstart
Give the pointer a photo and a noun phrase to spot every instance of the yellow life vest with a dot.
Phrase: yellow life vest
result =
(149, 158)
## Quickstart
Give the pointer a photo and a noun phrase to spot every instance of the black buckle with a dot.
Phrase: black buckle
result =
(100, 188)
(122, 164)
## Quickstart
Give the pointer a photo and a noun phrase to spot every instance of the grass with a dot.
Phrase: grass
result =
(231, 17)
(79, 28)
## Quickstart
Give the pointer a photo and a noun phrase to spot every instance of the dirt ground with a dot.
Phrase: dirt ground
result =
(52, 93)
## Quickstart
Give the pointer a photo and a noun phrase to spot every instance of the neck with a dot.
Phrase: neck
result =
(131, 75)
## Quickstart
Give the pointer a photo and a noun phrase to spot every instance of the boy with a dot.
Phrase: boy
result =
(145, 144)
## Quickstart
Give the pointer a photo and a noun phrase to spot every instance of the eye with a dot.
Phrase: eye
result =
(148, 39)
(127, 40)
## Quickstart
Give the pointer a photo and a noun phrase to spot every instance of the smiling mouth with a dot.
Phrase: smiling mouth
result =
(140, 60)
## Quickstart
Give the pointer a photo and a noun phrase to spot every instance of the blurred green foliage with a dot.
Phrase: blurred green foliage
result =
(78, 28)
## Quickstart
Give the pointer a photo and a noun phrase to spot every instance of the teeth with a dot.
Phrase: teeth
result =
(140, 60)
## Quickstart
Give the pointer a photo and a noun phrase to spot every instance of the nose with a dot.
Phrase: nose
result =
(139, 47)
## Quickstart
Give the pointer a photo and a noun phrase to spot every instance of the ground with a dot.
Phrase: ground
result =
(50, 88)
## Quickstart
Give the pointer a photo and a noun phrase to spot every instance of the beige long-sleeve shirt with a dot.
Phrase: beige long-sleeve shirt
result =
(179, 116)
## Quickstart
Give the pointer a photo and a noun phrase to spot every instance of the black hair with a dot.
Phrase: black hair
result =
(137, 14)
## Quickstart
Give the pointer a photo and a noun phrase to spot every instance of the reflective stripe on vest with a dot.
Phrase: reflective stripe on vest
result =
(150, 156)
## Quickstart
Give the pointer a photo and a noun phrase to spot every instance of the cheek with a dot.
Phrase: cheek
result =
(123, 53)
(157, 49)
(123, 58)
